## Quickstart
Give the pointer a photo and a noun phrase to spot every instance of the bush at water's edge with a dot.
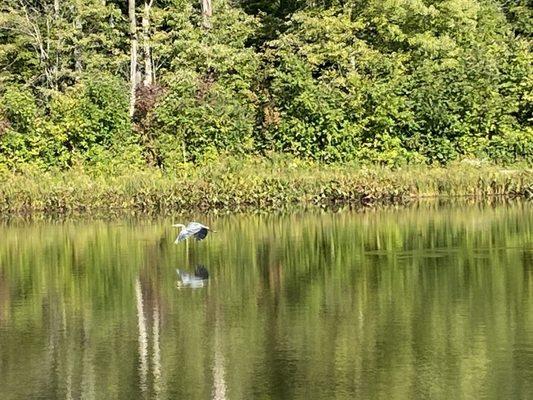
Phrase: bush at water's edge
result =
(239, 185)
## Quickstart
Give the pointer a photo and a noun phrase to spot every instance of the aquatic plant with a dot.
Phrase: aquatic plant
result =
(252, 184)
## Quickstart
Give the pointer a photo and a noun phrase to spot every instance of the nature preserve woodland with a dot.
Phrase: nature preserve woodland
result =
(181, 91)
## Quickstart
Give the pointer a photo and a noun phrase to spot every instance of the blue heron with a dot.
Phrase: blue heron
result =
(195, 229)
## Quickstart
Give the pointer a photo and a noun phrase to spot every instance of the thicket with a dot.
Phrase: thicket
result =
(364, 81)
(250, 183)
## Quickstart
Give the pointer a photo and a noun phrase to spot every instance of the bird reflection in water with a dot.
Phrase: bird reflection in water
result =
(195, 280)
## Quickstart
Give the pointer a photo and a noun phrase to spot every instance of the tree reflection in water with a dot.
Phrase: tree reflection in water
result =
(424, 302)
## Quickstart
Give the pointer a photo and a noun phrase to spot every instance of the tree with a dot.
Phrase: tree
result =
(207, 12)
(387, 81)
(148, 69)
(133, 54)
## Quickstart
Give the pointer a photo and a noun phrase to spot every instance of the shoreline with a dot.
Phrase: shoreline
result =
(252, 187)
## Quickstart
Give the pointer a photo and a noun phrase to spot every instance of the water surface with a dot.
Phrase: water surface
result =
(420, 303)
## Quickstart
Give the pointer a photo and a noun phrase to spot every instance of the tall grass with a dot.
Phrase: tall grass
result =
(253, 184)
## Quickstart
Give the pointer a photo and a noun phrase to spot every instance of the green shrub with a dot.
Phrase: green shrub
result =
(18, 137)
(18, 108)
(512, 147)
(198, 114)
(94, 112)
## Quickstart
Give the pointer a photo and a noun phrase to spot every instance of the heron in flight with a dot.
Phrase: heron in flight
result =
(195, 229)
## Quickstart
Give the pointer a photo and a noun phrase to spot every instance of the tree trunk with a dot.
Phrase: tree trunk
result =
(148, 74)
(57, 44)
(133, 58)
(207, 12)
(79, 33)
(50, 70)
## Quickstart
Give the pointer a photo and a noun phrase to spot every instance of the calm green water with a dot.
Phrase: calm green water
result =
(421, 303)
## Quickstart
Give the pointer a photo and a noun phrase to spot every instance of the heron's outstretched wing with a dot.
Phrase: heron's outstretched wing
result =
(201, 234)
(184, 234)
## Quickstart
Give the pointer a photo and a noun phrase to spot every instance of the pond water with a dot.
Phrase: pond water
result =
(426, 302)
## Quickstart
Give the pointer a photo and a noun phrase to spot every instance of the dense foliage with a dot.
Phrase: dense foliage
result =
(365, 81)
(249, 184)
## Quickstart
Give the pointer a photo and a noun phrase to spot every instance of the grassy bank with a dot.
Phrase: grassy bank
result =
(250, 185)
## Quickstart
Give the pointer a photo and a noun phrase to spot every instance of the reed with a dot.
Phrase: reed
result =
(255, 184)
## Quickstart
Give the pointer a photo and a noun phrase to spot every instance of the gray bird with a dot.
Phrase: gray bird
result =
(195, 229)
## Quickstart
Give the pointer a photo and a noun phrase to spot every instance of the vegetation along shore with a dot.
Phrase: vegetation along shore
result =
(251, 185)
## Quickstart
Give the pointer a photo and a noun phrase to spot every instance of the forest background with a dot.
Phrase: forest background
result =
(110, 87)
